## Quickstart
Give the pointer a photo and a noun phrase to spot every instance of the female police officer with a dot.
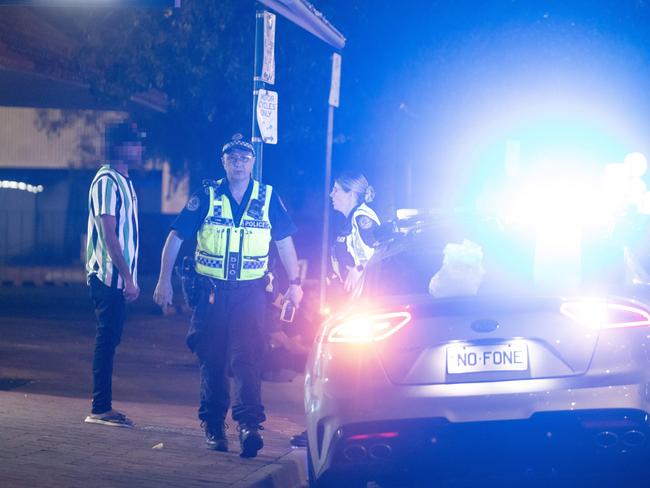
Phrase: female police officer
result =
(234, 220)
(356, 236)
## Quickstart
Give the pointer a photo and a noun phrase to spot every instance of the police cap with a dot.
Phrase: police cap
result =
(238, 142)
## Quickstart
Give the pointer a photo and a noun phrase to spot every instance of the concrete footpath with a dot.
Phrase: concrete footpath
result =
(46, 344)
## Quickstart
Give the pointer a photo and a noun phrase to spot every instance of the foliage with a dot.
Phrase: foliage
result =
(199, 56)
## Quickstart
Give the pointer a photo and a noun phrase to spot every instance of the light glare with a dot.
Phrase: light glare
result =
(369, 328)
(597, 314)
(637, 164)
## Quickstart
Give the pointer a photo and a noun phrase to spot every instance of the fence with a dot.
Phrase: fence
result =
(56, 240)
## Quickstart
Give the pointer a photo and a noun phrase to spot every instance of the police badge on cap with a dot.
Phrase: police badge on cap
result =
(238, 142)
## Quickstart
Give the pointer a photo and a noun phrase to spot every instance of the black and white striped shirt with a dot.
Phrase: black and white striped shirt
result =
(111, 193)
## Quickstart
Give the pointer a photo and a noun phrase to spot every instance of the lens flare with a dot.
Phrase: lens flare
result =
(368, 328)
(600, 314)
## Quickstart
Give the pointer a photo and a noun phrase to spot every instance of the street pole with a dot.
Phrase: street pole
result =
(335, 87)
(258, 84)
(324, 254)
(303, 14)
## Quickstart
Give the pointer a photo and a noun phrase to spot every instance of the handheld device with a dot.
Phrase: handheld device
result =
(288, 311)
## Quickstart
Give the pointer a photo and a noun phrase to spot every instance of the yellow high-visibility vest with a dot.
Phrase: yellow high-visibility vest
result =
(226, 251)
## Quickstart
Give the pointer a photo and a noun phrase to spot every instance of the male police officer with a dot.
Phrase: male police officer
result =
(234, 220)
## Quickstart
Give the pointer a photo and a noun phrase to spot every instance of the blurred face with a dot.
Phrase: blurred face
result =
(342, 201)
(130, 153)
(238, 164)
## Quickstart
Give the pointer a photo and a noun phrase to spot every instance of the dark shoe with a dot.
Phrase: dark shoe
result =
(299, 440)
(215, 436)
(251, 440)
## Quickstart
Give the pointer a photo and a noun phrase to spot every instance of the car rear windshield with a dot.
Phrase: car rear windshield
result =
(488, 259)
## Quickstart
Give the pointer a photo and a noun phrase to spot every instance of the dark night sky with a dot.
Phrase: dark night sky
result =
(439, 86)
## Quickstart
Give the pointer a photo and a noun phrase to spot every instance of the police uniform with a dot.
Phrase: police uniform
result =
(231, 258)
(355, 241)
(353, 248)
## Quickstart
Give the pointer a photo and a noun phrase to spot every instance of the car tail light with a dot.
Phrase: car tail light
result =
(601, 314)
(379, 435)
(368, 328)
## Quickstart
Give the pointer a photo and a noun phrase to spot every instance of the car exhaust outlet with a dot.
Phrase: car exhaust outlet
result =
(634, 438)
(354, 452)
(606, 439)
(380, 451)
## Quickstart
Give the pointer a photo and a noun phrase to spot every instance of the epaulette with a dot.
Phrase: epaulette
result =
(209, 183)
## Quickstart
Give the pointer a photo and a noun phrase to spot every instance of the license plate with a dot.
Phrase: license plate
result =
(507, 356)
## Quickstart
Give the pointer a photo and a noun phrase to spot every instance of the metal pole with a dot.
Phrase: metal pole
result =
(335, 86)
(258, 84)
(326, 209)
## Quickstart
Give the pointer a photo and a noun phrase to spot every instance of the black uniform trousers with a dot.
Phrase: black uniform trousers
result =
(110, 310)
(228, 336)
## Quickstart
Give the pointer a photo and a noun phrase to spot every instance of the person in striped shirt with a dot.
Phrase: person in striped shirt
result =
(112, 260)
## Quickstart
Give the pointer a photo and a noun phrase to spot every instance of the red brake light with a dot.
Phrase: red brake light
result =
(601, 314)
(368, 328)
(380, 435)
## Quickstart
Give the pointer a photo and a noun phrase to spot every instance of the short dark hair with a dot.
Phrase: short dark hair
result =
(120, 133)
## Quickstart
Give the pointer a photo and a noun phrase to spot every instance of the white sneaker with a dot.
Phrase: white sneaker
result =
(112, 418)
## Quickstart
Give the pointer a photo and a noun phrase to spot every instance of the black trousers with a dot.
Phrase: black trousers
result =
(110, 310)
(228, 336)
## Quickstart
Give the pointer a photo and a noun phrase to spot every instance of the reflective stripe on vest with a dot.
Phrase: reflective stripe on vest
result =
(228, 252)
(360, 251)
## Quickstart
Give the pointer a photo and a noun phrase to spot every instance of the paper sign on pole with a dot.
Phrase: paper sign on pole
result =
(268, 63)
(335, 86)
(267, 116)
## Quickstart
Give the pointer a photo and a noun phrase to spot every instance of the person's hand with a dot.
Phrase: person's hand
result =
(294, 293)
(278, 338)
(352, 279)
(131, 291)
(163, 294)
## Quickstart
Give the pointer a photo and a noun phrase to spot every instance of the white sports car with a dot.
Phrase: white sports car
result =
(451, 362)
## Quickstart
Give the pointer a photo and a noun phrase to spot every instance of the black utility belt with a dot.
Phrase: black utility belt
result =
(230, 284)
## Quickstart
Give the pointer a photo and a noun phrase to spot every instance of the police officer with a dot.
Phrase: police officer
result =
(234, 220)
(355, 238)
